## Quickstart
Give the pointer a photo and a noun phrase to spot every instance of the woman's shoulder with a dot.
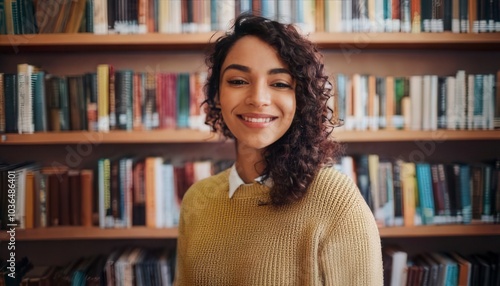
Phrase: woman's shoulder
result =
(328, 177)
(331, 184)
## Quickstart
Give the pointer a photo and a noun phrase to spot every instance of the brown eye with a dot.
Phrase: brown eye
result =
(281, 85)
(236, 82)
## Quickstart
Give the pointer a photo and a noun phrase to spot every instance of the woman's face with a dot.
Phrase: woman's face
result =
(257, 93)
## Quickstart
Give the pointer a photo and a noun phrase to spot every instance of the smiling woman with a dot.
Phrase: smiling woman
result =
(280, 215)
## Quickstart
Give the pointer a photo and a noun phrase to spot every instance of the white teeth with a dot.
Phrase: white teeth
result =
(257, 120)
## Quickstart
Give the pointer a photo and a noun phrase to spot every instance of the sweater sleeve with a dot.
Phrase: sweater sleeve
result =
(351, 253)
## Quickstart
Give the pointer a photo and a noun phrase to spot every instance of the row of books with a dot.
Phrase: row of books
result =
(110, 99)
(104, 100)
(188, 16)
(419, 193)
(125, 266)
(131, 191)
(440, 268)
(119, 193)
(418, 102)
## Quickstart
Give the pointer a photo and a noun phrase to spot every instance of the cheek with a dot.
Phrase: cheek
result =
(289, 108)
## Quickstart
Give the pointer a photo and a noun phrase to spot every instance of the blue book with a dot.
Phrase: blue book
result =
(268, 9)
(425, 193)
(479, 122)
(487, 214)
(245, 6)
(183, 100)
(40, 106)
(3, 24)
(64, 104)
(466, 194)
(11, 102)
(124, 99)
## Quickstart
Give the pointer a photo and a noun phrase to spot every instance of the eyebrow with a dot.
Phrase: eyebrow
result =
(247, 69)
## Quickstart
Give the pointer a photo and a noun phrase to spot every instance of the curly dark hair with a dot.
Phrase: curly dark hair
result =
(294, 159)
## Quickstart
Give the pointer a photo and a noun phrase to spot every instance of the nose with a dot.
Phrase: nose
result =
(259, 95)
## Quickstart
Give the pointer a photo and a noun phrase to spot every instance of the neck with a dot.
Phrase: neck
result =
(249, 163)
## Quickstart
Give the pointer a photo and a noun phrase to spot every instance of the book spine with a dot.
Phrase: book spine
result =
(424, 183)
(2, 102)
(103, 98)
(87, 193)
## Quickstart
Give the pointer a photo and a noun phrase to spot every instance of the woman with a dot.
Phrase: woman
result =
(281, 215)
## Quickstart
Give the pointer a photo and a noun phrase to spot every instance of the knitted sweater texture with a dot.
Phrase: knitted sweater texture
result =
(329, 237)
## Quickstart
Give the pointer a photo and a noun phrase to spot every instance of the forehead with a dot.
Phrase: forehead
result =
(253, 52)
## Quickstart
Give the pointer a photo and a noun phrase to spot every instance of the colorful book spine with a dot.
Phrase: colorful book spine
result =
(424, 183)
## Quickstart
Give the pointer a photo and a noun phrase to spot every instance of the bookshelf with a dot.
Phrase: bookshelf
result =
(373, 53)
(83, 42)
(94, 233)
(193, 136)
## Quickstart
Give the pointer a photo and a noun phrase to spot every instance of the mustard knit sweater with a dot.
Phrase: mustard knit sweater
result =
(327, 238)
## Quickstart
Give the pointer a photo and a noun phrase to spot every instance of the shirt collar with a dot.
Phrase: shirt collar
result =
(235, 181)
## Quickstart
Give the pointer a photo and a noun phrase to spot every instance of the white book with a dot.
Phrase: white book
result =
(169, 188)
(489, 102)
(470, 101)
(160, 207)
(461, 100)
(202, 170)
(451, 106)
(426, 106)
(104, 193)
(358, 101)
(379, 16)
(175, 18)
(285, 11)
(100, 17)
(25, 92)
(416, 100)
(348, 167)
(398, 260)
(226, 12)
(433, 103)
(347, 16)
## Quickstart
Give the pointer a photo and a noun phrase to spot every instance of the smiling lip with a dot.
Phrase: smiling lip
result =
(254, 120)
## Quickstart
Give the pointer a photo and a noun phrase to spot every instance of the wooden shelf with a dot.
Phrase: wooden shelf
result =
(85, 42)
(401, 135)
(83, 233)
(91, 233)
(441, 230)
(408, 41)
(194, 136)
(113, 137)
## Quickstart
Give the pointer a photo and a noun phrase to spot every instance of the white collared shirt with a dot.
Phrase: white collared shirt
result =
(235, 181)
